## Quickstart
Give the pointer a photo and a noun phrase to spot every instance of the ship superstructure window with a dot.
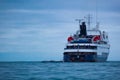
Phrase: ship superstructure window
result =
(81, 47)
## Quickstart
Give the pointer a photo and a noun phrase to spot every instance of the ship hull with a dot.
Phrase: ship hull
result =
(79, 57)
(85, 57)
(99, 54)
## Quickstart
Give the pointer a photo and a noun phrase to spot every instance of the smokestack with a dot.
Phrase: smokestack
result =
(83, 31)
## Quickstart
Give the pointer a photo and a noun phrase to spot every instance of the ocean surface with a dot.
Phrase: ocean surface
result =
(60, 71)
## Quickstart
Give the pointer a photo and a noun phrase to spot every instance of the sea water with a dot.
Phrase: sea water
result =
(60, 71)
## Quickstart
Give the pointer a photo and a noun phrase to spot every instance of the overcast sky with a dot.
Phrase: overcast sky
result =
(34, 30)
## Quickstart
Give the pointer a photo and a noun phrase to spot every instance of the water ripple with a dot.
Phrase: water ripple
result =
(59, 71)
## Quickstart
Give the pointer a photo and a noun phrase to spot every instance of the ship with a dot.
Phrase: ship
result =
(87, 44)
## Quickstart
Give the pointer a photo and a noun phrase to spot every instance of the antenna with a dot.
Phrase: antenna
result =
(97, 23)
(88, 18)
(96, 12)
(79, 20)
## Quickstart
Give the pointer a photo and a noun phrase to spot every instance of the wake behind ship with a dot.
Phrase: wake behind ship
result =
(87, 45)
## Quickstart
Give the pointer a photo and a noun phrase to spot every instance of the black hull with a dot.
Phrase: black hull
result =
(80, 57)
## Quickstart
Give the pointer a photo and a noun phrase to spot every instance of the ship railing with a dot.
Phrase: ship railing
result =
(80, 47)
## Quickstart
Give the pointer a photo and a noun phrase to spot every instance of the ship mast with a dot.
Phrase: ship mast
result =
(88, 20)
(97, 23)
(79, 20)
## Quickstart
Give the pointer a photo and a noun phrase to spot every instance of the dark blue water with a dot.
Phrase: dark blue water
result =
(59, 71)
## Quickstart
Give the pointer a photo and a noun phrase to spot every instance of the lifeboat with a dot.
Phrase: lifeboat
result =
(70, 39)
(96, 38)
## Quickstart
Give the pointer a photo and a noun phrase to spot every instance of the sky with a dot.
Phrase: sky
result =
(37, 30)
